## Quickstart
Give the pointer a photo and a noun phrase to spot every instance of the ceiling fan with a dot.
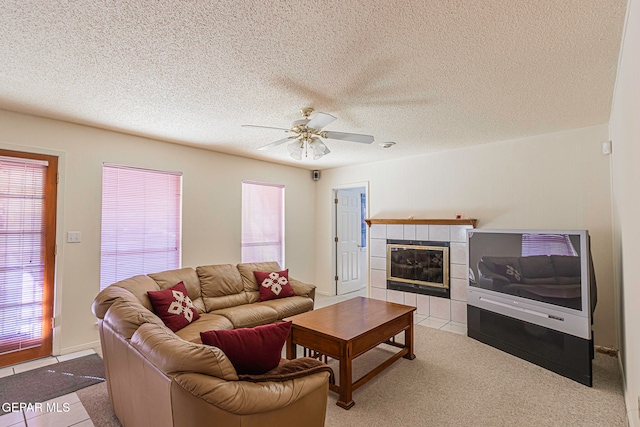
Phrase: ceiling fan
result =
(307, 133)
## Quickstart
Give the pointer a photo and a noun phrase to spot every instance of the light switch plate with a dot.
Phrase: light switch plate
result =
(74, 236)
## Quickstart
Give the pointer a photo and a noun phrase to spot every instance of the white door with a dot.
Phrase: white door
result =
(349, 271)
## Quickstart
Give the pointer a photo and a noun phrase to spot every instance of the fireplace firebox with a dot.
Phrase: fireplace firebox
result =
(420, 267)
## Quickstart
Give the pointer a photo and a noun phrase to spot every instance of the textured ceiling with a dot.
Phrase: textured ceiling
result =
(430, 75)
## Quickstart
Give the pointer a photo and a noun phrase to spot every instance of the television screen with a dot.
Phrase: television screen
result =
(539, 266)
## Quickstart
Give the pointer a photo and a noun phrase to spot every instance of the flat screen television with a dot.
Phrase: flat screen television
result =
(543, 277)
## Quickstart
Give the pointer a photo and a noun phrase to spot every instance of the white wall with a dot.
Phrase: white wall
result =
(625, 137)
(556, 181)
(211, 207)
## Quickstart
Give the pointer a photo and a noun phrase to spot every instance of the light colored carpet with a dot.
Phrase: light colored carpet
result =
(457, 381)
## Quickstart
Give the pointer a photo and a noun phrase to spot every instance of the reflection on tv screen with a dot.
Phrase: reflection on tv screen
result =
(536, 266)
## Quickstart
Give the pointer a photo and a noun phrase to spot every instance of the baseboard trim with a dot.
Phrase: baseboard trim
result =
(81, 347)
(609, 351)
(633, 414)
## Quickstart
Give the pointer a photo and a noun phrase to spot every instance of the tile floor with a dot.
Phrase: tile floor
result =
(67, 410)
(63, 411)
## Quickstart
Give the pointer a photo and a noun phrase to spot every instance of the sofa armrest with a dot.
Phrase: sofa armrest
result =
(172, 355)
(105, 299)
(132, 289)
(303, 289)
(246, 398)
(125, 317)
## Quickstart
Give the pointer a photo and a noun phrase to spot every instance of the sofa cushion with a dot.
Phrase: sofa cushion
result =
(274, 284)
(249, 279)
(248, 315)
(222, 286)
(251, 350)
(174, 306)
(188, 276)
(287, 307)
(206, 322)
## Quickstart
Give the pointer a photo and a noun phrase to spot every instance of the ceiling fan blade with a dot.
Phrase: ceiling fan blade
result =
(353, 137)
(265, 127)
(320, 120)
(276, 143)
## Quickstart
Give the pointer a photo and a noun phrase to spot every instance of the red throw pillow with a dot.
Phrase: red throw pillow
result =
(274, 284)
(174, 306)
(251, 350)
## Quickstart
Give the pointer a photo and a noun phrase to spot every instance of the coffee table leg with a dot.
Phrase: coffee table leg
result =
(408, 339)
(291, 351)
(346, 381)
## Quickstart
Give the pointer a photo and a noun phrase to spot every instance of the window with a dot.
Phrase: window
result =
(141, 222)
(547, 244)
(363, 223)
(27, 254)
(262, 222)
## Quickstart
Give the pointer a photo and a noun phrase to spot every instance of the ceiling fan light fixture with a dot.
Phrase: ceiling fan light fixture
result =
(307, 133)
(295, 149)
(319, 148)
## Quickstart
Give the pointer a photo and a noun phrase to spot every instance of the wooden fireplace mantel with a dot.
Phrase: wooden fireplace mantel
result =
(454, 221)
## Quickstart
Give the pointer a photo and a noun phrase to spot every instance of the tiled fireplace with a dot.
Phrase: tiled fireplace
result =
(448, 309)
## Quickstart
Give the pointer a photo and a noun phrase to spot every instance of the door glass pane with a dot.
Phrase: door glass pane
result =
(22, 232)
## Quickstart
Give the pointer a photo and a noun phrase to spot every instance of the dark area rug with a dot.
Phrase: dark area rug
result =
(48, 382)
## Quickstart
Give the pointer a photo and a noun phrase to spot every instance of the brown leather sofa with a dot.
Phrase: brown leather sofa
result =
(156, 377)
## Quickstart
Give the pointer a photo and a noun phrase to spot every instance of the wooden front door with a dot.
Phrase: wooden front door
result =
(28, 193)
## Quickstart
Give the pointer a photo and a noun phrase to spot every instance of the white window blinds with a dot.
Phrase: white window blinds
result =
(262, 222)
(141, 222)
(547, 244)
(22, 251)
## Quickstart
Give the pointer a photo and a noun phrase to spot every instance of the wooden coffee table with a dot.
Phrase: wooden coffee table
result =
(348, 329)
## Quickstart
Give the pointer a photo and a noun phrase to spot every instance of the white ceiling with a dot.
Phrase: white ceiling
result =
(430, 75)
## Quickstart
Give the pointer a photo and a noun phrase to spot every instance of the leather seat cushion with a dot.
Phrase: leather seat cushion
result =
(289, 306)
(248, 315)
(206, 322)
